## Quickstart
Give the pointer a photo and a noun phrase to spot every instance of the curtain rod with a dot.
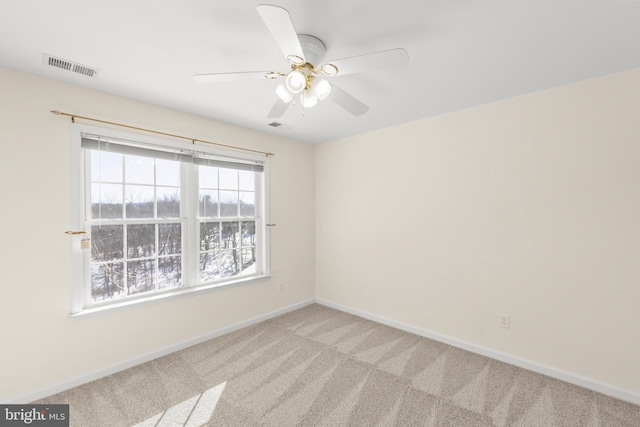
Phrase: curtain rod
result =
(193, 140)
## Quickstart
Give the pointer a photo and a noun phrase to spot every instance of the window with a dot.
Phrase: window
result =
(163, 218)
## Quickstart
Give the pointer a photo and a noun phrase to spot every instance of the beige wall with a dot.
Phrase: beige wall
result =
(529, 206)
(42, 346)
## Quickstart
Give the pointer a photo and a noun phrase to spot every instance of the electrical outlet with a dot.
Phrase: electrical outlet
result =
(505, 320)
(281, 288)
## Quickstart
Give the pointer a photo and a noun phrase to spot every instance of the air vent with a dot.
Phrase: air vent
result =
(279, 125)
(74, 67)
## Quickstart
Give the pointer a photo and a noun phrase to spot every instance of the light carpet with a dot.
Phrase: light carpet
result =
(317, 366)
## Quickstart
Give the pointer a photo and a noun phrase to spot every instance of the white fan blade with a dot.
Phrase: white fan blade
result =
(391, 58)
(279, 23)
(231, 77)
(347, 101)
(278, 109)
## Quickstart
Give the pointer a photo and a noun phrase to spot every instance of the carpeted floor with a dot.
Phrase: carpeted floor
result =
(321, 367)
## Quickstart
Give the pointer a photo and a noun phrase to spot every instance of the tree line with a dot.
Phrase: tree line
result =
(226, 247)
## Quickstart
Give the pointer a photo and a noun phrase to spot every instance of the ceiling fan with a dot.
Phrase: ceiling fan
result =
(305, 54)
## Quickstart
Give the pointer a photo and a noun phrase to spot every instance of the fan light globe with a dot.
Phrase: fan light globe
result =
(321, 88)
(308, 99)
(296, 81)
(284, 93)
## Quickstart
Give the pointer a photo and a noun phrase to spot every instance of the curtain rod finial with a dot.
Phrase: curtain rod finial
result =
(56, 112)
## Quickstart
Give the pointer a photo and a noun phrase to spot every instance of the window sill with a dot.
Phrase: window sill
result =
(169, 295)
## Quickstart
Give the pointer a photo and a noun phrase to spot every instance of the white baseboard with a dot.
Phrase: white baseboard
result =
(503, 357)
(65, 385)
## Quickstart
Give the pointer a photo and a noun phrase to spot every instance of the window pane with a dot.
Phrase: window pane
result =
(229, 263)
(168, 202)
(167, 173)
(140, 276)
(106, 167)
(209, 268)
(107, 243)
(138, 170)
(106, 281)
(106, 201)
(247, 180)
(209, 236)
(228, 203)
(139, 201)
(170, 272)
(208, 203)
(208, 177)
(228, 179)
(169, 239)
(248, 233)
(141, 240)
(248, 261)
(230, 235)
(247, 203)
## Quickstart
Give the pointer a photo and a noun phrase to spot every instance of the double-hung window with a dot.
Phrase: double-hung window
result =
(163, 218)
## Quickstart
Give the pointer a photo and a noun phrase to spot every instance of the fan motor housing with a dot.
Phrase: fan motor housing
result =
(313, 48)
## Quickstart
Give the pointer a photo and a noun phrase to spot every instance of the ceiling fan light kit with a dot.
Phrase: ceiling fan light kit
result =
(308, 99)
(304, 53)
(301, 80)
(295, 81)
(321, 88)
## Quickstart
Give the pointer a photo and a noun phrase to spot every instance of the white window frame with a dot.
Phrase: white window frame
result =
(80, 258)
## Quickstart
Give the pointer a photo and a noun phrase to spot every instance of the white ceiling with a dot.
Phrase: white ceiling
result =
(462, 52)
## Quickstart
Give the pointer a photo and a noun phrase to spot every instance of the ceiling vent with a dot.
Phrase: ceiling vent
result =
(279, 125)
(74, 67)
